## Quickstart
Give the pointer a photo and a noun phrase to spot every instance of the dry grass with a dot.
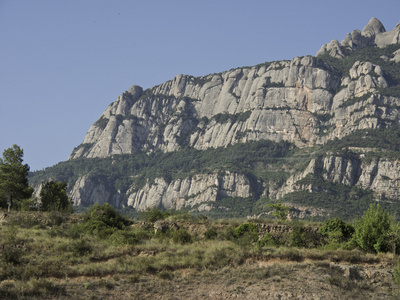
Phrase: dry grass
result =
(46, 263)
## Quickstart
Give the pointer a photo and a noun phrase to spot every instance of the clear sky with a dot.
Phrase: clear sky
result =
(62, 62)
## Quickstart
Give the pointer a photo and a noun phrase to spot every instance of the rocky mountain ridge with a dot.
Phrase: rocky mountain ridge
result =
(308, 101)
(373, 34)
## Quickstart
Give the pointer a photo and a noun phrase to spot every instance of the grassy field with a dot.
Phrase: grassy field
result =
(57, 256)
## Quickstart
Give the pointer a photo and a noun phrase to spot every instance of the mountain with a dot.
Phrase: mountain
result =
(321, 133)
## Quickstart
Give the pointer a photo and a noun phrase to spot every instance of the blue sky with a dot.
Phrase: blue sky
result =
(63, 62)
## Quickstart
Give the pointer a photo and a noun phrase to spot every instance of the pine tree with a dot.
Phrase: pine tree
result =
(14, 176)
(54, 197)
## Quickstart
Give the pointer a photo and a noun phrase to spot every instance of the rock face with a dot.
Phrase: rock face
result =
(304, 101)
(89, 190)
(374, 33)
(201, 190)
(274, 102)
(380, 175)
(289, 101)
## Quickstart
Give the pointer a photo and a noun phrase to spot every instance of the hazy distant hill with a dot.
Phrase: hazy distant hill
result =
(321, 133)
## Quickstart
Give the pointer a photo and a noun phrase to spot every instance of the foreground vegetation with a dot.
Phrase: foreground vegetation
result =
(102, 254)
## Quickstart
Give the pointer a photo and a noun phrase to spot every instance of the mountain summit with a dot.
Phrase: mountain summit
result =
(298, 130)
(373, 34)
(374, 27)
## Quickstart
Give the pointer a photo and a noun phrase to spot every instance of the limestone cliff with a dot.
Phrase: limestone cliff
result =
(200, 191)
(294, 101)
(379, 175)
(278, 101)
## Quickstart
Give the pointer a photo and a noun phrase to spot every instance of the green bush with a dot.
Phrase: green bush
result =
(246, 233)
(337, 231)
(180, 216)
(298, 238)
(153, 214)
(375, 230)
(211, 233)
(96, 227)
(74, 231)
(229, 234)
(337, 224)
(100, 220)
(396, 274)
(269, 240)
(42, 287)
(81, 247)
(107, 215)
(181, 236)
(11, 251)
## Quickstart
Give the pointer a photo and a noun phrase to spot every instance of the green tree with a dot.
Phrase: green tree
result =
(376, 230)
(105, 214)
(153, 214)
(246, 233)
(281, 211)
(14, 185)
(54, 197)
(336, 230)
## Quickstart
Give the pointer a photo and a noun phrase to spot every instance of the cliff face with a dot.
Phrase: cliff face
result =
(294, 101)
(274, 102)
(306, 101)
(201, 191)
(379, 175)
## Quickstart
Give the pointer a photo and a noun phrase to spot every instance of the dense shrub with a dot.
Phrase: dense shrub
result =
(341, 230)
(100, 220)
(268, 240)
(210, 233)
(81, 247)
(181, 236)
(246, 233)
(106, 214)
(153, 214)
(298, 238)
(396, 273)
(11, 251)
(376, 230)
